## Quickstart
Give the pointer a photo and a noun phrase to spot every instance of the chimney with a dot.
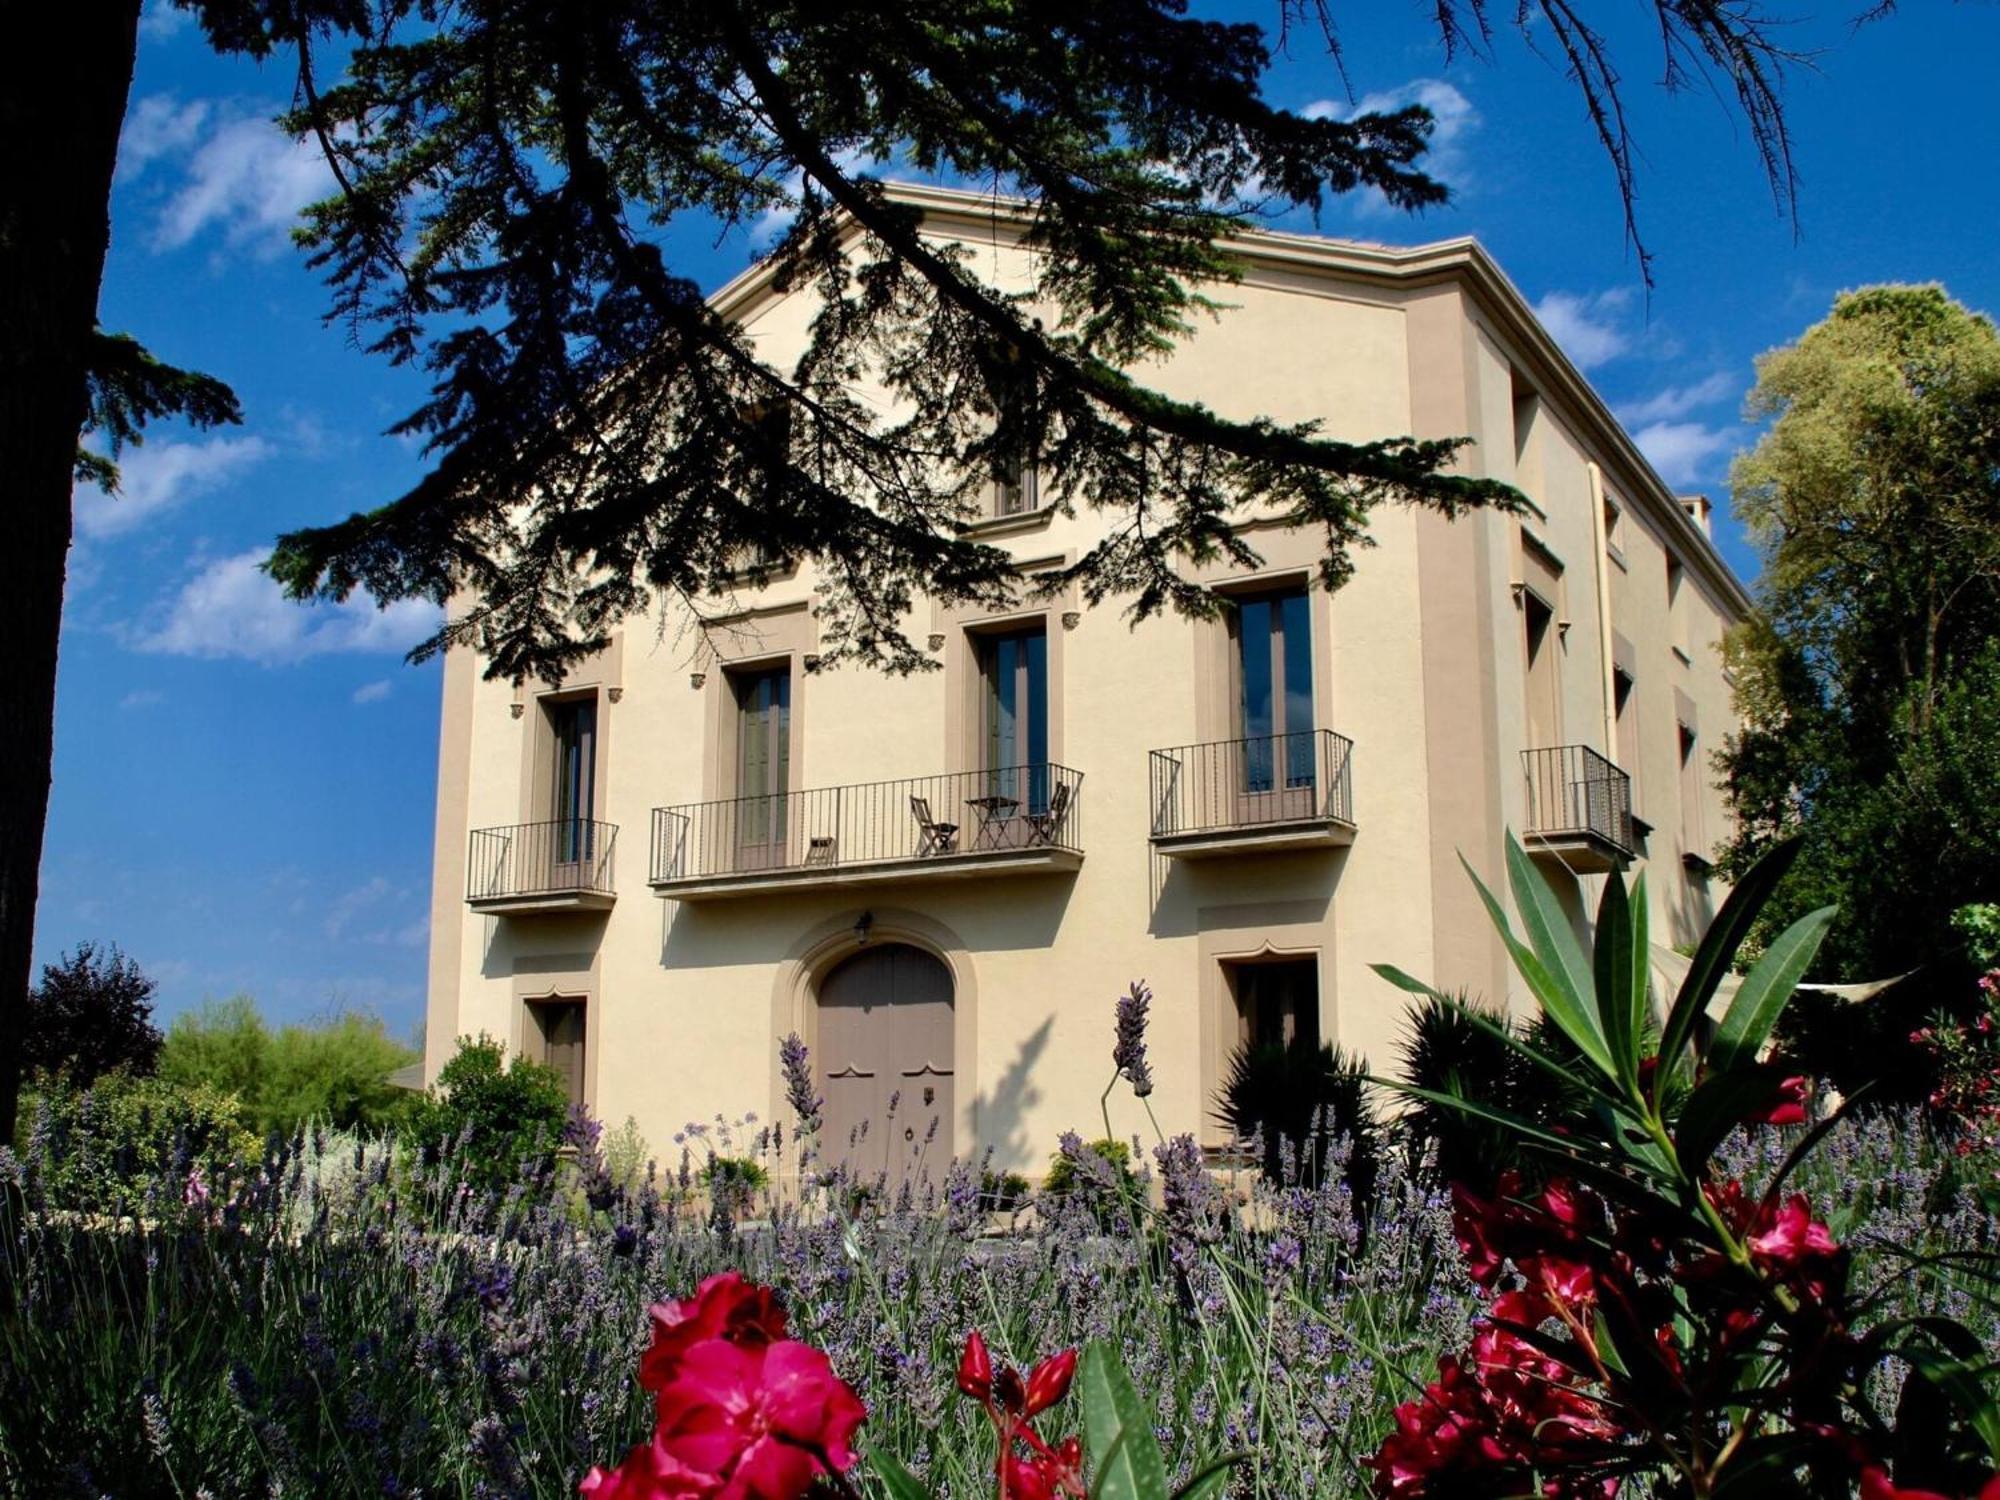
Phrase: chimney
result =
(1700, 511)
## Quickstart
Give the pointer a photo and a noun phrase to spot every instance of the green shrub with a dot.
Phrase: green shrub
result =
(335, 1072)
(1062, 1176)
(1298, 1100)
(1003, 1192)
(128, 1144)
(493, 1112)
(626, 1156)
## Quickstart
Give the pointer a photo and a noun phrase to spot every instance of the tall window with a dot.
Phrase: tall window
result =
(557, 1041)
(573, 795)
(1274, 698)
(1625, 707)
(763, 753)
(1015, 668)
(1694, 838)
(1539, 643)
(1277, 1003)
(1677, 630)
(1011, 388)
(1527, 453)
(1014, 484)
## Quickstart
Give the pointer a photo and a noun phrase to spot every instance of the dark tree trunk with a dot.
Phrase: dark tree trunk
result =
(62, 101)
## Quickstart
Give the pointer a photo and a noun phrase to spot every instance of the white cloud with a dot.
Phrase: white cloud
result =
(1684, 452)
(1586, 325)
(161, 21)
(350, 904)
(142, 698)
(232, 608)
(157, 126)
(158, 476)
(248, 180)
(1678, 400)
(1455, 120)
(372, 692)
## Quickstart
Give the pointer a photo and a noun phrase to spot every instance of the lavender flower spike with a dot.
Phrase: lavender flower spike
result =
(797, 1063)
(1128, 1054)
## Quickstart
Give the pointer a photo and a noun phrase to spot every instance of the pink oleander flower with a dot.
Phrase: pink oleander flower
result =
(744, 1413)
(1787, 1108)
(725, 1306)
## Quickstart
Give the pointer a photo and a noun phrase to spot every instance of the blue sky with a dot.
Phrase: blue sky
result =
(243, 787)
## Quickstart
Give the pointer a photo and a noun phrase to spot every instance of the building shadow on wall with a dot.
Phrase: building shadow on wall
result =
(1012, 913)
(1695, 909)
(1000, 1117)
(1184, 887)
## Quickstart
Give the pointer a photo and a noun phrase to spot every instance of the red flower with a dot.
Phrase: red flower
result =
(1046, 1475)
(763, 1422)
(744, 1412)
(1049, 1382)
(975, 1368)
(648, 1473)
(1790, 1235)
(724, 1307)
(1787, 1106)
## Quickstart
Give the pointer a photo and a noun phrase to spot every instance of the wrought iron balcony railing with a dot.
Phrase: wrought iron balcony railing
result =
(1016, 810)
(1299, 778)
(1576, 794)
(569, 857)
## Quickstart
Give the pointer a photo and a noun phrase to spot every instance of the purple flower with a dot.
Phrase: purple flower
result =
(797, 1063)
(1128, 1053)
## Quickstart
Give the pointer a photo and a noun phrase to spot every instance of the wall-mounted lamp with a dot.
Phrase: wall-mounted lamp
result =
(517, 709)
(614, 694)
(696, 679)
(937, 642)
(1071, 619)
(810, 661)
(862, 924)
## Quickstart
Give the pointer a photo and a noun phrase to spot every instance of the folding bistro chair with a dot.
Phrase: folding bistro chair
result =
(933, 837)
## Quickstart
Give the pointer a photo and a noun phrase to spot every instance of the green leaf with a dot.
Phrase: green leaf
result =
(897, 1480)
(1210, 1478)
(1495, 1030)
(1125, 1458)
(1525, 1128)
(1612, 971)
(1765, 990)
(1717, 951)
(1548, 927)
(1641, 998)
(1961, 1381)
(1953, 1364)
(1714, 1109)
(1767, 1467)
(1560, 998)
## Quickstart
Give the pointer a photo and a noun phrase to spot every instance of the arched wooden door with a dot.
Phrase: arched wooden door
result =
(885, 1033)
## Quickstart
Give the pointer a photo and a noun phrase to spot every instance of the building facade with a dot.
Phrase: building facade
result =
(652, 873)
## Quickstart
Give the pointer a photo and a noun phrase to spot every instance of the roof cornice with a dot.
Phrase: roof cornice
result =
(1462, 260)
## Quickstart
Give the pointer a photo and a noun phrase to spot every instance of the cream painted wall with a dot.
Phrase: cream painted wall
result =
(1417, 661)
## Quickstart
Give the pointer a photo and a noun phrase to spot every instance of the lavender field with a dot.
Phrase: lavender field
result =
(344, 1321)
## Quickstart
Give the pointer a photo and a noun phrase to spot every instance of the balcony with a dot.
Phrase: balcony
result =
(1579, 809)
(563, 866)
(1288, 791)
(1020, 820)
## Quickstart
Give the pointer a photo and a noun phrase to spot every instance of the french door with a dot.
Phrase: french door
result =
(1274, 707)
(763, 765)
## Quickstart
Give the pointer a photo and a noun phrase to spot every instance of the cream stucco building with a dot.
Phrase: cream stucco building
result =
(654, 872)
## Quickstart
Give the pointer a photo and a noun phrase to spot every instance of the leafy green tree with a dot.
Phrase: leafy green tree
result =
(1869, 681)
(224, 1044)
(92, 1014)
(493, 1112)
(336, 1071)
(506, 176)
